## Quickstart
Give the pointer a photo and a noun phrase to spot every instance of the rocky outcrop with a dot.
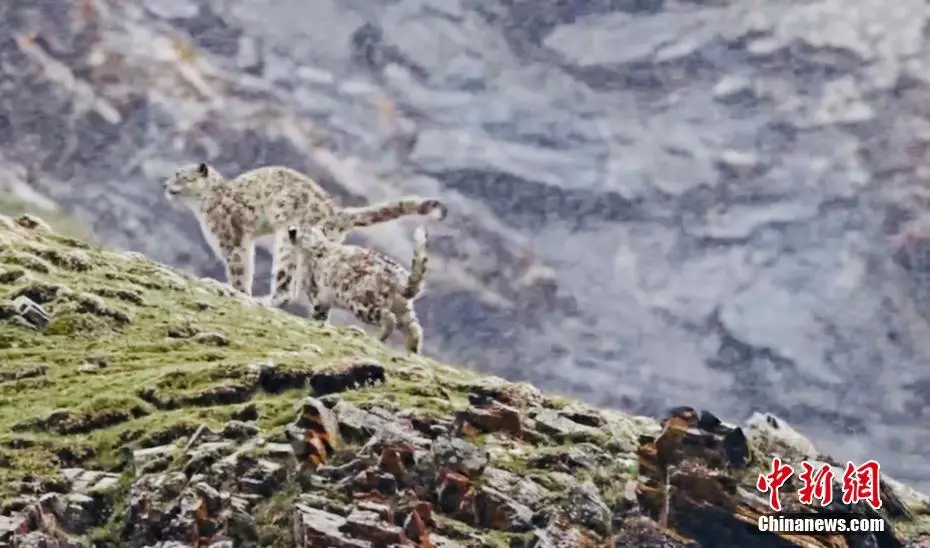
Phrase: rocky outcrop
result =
(651, 201)
(147, 408)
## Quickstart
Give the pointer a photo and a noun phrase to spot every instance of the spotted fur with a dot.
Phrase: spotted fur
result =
(371, 285)
(267, 200)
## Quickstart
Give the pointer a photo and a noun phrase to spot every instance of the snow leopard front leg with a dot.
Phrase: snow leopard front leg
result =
(240, 264)
(320, 312)
(320, 304)
(234, 247)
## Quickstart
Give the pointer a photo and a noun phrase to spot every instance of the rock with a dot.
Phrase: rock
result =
(265, 478)
(88, 367)
(315, 434)
(205, 455)
(697, 465)
(641, 531)
(243, 527)
(14, 524)
(588, 508)
(323, 503)
(371, 527)
(314, 527)
(419, 522)
(359, 426)
(484, 506)
(460, 456)
(776, 429)
(708, 422)
(238, 430)
(152, 458)
(37, 539)
(74, 512)
(496, 510)
(278, 451)
(523, 490)
(201, 435)
(557, 537)
(562, 429)
(31, 312)
(90, 481)
(497, 418)
(569, 459)
(584, 416)
(517, 395)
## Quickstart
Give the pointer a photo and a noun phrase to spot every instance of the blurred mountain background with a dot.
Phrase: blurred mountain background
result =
(652, 202)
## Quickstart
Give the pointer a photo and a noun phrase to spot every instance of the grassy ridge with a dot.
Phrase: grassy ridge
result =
(126, 332)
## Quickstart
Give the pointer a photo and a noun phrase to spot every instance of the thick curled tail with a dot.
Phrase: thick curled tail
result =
(389, 211)
(434, 208)
(418, 266)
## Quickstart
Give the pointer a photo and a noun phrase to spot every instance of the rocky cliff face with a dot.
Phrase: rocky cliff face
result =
(651, 200)
(142, 407)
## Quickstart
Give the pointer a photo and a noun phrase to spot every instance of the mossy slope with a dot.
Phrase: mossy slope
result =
(122, 328)
(133, 354)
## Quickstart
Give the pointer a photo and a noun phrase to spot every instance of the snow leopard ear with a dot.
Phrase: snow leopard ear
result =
(203, 170)
(292, 234)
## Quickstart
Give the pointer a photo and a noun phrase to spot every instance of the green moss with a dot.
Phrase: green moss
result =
(120, 311)
(275, 517)
(920, 526)
(119, 514)
(26, 260)
(276, 411)
(497, 539)
(75, 324)
(10, 275)
(10, 339)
